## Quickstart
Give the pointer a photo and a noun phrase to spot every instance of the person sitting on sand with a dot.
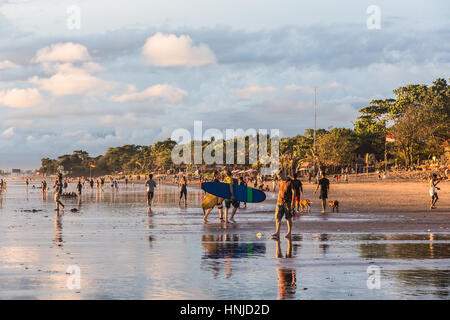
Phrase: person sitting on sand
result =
(324, 185)
(285, 194)
(434, 196)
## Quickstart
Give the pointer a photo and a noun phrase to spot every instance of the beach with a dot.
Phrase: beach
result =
(122, 251)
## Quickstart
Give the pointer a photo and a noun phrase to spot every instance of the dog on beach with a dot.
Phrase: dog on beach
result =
(305, 204)
(334, 205)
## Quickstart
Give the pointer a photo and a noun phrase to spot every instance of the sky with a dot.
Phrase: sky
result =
(89, 75)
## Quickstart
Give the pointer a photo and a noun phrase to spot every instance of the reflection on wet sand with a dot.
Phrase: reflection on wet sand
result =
(222, 248)
(396, 247)
(287, 282)
(123, 251)
(58, 228)
(425, 281)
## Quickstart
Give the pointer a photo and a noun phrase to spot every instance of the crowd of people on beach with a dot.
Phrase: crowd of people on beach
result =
(290, 199)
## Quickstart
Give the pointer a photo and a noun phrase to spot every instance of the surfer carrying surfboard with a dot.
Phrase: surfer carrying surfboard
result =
(211, 201)
(285, 195)
(230, 202)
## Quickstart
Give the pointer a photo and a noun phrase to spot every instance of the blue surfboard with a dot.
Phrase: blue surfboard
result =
(241, 193)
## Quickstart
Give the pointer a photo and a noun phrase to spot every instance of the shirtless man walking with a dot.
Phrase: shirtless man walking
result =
(285, 195)
(324, 185)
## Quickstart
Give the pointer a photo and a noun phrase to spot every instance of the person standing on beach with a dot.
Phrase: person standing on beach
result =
(324, 185)
(433, 194)
(79, 188)
(298, 194)
(58, 191)
(285, 194)
(230, 202)
(151, 185)
(43, 189)
(244, 184)
(183, 190)
(211, 201)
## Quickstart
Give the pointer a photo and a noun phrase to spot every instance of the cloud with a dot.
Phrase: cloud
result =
(167, 50)
(129, 119)
(249, 92)
(8, 133)
(6, 64)
(166, 92)
(20, 98)
(69, 80)
(302, 89)
(62, 52)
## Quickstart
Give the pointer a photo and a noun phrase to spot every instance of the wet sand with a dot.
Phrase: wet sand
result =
(125, 252)
(391, 206)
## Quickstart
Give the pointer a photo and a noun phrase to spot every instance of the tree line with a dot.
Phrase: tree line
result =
(417, 118)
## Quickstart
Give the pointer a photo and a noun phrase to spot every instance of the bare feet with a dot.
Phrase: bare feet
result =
(275, 236)
(287, 235)
(205, 220)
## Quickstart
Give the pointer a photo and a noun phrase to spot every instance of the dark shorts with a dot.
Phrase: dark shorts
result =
(229, 202)
(323, 195)
(435, 196)
(183, 192)
(283, 210)
(149, 195)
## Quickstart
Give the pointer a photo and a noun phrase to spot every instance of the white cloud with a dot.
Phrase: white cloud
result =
(249, 92)
(163, 91)
(302, 89)
(129, 119)
(8, 133)
(70, 80)
(6, 64)
(335, 84)
(62, 52)
(166, 50)
(20, 98)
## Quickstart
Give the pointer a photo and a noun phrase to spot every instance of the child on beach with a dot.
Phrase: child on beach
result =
(433, 182)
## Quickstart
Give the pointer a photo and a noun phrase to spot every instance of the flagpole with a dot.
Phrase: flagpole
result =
(385, 155)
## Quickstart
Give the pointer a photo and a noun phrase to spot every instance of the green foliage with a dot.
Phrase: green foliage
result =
(418, 118)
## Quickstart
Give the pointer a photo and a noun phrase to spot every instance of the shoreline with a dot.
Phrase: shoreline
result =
(382, 206)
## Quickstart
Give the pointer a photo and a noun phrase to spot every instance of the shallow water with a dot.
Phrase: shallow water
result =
(124, 252)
